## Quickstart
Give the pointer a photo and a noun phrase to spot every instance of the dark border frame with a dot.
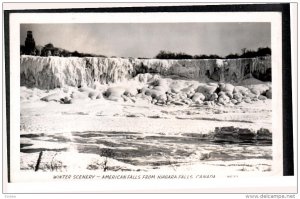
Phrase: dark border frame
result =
(283, 8)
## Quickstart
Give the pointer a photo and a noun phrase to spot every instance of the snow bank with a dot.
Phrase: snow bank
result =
(54, 72)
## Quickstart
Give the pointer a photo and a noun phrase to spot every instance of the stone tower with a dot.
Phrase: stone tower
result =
(29, 44)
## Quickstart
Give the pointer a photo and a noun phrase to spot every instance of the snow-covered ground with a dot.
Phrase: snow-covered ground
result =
(113, 114)
(122, 129)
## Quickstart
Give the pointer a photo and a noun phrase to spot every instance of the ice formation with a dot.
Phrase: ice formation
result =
(54, 72)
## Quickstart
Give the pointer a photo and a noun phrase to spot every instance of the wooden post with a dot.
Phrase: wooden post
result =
(38, 161)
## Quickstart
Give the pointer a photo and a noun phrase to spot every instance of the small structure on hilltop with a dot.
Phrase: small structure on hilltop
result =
(30, 44)
(30, 48)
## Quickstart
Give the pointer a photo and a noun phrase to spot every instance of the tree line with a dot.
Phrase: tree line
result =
(50, 50)
(245, 53)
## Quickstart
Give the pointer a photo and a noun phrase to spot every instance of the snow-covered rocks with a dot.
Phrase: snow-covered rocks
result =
(56, 97)
(240, 135)
(164, 91)
(114, 92)
(198, 96)
(207, 90)
(269, 93)
(227, 88)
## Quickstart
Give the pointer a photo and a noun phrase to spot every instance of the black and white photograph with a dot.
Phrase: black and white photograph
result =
(146, 96)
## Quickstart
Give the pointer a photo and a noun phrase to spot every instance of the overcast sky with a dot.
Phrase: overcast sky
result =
(146, 40)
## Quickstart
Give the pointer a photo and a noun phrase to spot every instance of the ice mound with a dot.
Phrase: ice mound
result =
(269, 93)
(207, 90)
(115, 93)
(241, 135)
(256, 86)
(160, 91)
(56, 97)
(250, 81)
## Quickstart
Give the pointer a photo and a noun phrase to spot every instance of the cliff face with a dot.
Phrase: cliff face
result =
(53, 72)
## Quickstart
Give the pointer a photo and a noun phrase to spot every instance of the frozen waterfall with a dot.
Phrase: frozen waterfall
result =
(53, 72)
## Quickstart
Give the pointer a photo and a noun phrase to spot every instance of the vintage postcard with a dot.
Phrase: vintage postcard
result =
(151, 99)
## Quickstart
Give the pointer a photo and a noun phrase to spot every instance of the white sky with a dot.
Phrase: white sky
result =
(146, 40)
